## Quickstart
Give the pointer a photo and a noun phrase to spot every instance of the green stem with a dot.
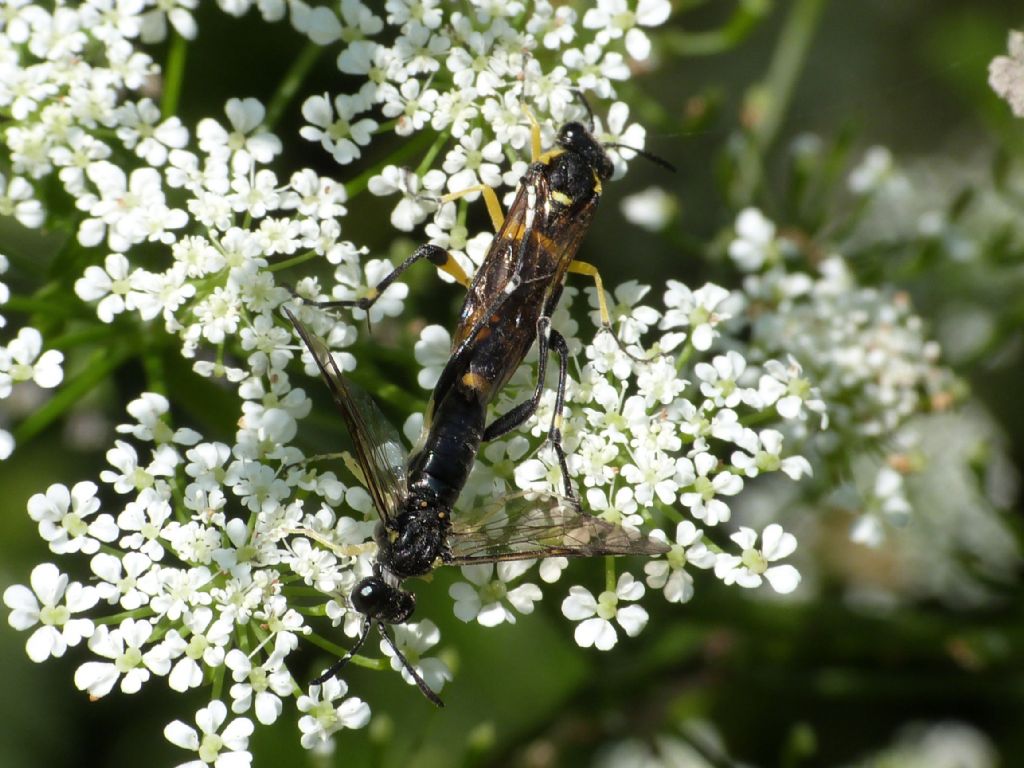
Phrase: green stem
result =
(291, 82)
(294, 261)
(739, 26)
(103, 334)
(790, 53)
(57, 306)
(610, 579)
(428, 158)
(174, 75)
(408, 149)
(767, 102)
(337, 650)
(153, 365)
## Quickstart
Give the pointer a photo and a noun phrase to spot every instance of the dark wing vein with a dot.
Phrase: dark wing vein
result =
(528, 525)
(378, 445)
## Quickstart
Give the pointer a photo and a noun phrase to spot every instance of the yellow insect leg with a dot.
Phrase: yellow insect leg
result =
(490, 199)
(585, 268)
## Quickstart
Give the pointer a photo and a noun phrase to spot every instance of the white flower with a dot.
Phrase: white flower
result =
(614, 18)
(596, 628)
(755, 245)
(352, 286)
(411, 105)
(177, 12)
(139, 128)
(874, 168)
(720, 380)
(1006, 74)
(432, 351)
(17, 199)
(634, 319)
(670, 574)
(149, 411)
(621, 509)
(751, 567)
(619, 131)
(127, 209)
(66, 518)
(702, 500)
(652, 472)
(111, 284)
(121, 579)
(790, 392)
(484, 598)
(22, 361)
(651, 209)
(323, 718)
(469, 164)
(342, 135)
(319, 23)
(225, 748)
(6, 444)
(414, 206)
(258, 686)
(765, 455)
(124, 647)
(696, 309)
(51, 603)
(243, 145)
(203, 649)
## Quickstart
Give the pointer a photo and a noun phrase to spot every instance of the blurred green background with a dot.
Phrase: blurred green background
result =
(814, 683)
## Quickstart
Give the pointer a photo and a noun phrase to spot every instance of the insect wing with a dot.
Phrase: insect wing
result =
(378, 445)
(527, 525)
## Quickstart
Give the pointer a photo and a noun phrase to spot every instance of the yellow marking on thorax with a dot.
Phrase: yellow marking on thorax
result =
(597, 182)
(561, 197)
(551, 154)
(474, 381)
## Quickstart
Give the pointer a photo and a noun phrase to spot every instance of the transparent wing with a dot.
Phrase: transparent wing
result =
(378, 445)
(527, 525)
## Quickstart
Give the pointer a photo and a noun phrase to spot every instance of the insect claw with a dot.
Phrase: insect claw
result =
(621, 345)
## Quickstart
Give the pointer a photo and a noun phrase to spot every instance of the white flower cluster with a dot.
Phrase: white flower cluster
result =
(864, 348)
(207, 558)
(647, 444)
(1006, 74)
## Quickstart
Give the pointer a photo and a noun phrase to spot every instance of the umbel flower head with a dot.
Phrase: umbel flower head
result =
(216, 557)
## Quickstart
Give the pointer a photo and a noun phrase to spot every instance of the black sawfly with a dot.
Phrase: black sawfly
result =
(507, 308)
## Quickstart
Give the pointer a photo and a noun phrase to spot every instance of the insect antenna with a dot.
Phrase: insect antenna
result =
(420, 682)
(646, 155)
(337, 666)
(592, 125)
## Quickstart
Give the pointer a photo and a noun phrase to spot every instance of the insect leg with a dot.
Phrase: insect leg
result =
(336, 667)
(585, 268)
(547, 339)
(420, 682)
(490, 200)
(437, 255)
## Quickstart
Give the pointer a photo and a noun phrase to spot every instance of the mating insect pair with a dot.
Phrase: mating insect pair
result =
(508, 307)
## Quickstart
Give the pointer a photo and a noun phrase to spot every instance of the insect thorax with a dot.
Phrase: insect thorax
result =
(419, 537)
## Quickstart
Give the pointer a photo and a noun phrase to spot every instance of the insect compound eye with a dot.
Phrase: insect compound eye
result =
(367, 595)
(571, 136)
(373, 598)
(574, 137)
